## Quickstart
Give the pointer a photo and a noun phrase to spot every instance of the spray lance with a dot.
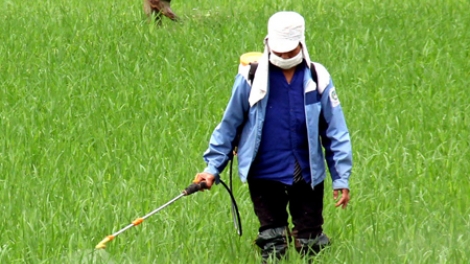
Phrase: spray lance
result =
(245, 61)
(193, 188)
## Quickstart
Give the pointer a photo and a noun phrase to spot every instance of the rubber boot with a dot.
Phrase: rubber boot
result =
(311, 247)
(273, 244)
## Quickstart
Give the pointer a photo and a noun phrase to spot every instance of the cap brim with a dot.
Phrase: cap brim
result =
(282, 45)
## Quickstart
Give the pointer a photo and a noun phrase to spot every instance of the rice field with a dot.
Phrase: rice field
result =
(104, 117)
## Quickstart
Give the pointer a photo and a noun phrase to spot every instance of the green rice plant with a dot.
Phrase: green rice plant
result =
(104, 117)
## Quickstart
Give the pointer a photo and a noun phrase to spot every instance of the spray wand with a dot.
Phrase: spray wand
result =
(194, 187)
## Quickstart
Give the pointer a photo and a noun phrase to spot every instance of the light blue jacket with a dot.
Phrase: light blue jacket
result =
(241, 120)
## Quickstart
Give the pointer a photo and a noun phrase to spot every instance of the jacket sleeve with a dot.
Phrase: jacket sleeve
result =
(224, 136)
(335, 138)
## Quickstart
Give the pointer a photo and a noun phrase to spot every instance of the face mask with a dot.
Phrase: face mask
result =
(286, 63)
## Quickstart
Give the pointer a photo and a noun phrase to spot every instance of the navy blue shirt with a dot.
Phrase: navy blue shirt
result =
(284, 136)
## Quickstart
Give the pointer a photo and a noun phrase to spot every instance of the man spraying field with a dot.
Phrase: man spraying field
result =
(285, 123)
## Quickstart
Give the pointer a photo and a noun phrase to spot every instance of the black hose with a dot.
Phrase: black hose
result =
(237, 222)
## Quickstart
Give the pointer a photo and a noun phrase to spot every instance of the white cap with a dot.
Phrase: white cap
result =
(286, 29)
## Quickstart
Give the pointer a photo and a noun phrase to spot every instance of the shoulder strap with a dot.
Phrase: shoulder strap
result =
(314, 73)
(251, 73)
(254, 66)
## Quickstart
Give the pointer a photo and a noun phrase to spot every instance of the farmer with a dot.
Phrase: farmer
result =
(159, 8)
(281, 124)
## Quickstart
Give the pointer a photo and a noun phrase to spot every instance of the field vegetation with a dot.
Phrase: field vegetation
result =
(104, 117)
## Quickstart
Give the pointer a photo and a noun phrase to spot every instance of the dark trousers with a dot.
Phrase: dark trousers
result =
(271, 199)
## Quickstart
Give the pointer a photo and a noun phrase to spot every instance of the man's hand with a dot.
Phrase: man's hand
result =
(204, 176)
(344, 200)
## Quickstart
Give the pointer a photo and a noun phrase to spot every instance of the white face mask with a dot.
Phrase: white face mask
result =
(286, 63)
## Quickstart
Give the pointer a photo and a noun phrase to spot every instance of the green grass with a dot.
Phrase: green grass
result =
(104, 118)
